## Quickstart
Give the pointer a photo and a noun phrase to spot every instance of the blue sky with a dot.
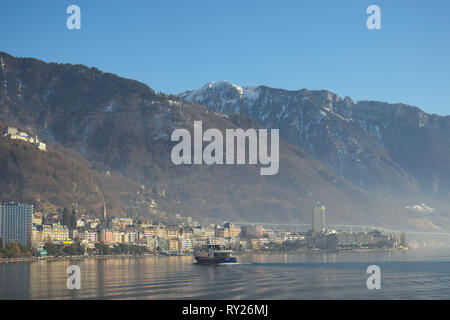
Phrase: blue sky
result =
(177, 45)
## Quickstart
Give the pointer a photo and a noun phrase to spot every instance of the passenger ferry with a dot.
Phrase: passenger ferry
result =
(214, 253)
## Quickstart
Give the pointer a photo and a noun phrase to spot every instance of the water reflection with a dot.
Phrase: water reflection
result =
(15, 280)
(275, 276)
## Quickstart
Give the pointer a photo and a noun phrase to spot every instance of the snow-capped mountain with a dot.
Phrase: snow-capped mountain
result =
(376, 145)
(116, 134)
(119, 131)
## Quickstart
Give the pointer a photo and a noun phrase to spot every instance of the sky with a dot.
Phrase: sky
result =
(174, 46)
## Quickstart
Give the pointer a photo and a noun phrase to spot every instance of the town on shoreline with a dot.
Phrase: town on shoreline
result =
(26, 235)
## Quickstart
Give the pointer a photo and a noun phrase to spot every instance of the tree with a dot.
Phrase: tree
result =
(73, 220)
(51, 249)
(80, 249)
(66, 217)
(102, 249)
(24, 250)
(70, 250)
(12, 250)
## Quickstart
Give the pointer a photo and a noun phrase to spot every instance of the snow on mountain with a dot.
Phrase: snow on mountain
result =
(225, 96)
(376, 145)
(421, 208)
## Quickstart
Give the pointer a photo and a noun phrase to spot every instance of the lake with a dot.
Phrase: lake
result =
(413, 274)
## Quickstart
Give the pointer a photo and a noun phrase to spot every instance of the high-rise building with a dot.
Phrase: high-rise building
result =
(15, 223)
(318, 218)
(403, 239)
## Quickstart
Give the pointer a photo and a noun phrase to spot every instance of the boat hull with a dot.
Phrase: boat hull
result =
(208, 260)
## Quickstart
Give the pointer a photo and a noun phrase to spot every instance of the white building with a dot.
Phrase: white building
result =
(15, 134)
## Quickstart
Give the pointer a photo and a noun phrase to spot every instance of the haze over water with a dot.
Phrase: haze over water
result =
(413, 274)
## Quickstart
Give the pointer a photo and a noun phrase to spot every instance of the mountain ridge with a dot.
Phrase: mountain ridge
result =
(335, 129)
(123, 127)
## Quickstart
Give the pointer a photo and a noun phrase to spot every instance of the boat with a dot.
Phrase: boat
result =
(214, 253)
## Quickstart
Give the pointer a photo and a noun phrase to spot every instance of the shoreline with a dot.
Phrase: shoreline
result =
(64, 258)
(121, 256)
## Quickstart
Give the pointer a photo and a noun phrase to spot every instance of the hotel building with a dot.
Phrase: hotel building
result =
(15, 223)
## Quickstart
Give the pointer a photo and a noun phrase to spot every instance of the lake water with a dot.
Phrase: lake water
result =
(413, 274)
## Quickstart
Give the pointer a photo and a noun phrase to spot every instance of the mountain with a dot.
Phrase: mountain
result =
(121, 129)
(57, 178)
(381, 147)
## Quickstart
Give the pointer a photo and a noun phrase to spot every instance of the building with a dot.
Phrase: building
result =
(106, 236)
(172, 232)
(120, 223)
(90, 235)
(199, 234)
(254, 231)
(231, 230)
(185, 243)
(270, 234)
(132, 237)
(152, 243)
(117, 237)
(219, 233)
(162, 244)
(161, 232)
(378, 237)
(144, 224)
(55, 233)
(318, 218)
(150, 232)
(256, 244)
(37, 239)
(15, 223)
(326, 241)
(37, 218)
(92, 223)
(80, 223)
(73, 234)
(15, 134)
(354, 239)
(202, 234)
(173, 244)
(403, 239)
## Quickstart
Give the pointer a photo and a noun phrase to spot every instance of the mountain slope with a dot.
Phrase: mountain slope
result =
(384, 148)
(58, 178)
(123, 127)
